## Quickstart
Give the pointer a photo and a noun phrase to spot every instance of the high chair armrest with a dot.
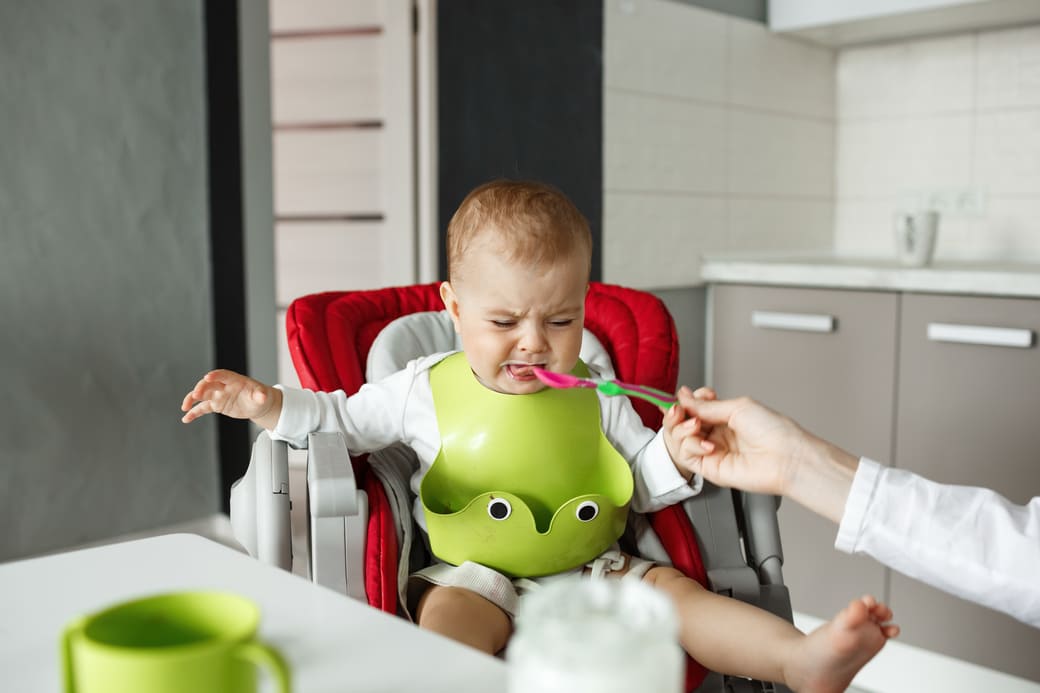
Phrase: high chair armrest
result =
(338, 516)
(260, 504)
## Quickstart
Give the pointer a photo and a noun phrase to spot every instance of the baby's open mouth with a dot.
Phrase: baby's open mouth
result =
(522, 371)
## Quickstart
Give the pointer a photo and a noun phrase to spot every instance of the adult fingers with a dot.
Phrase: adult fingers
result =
(709, 411)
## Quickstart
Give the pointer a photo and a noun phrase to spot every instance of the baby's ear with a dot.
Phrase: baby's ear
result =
(451, 303)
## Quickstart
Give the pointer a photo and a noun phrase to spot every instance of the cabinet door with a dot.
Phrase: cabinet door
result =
(967, 414)
(838, 383)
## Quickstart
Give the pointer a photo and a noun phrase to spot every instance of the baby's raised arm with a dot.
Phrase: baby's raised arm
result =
(235, 395)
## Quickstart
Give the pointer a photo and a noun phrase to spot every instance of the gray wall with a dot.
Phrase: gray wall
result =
(104, 269)
(687, 306)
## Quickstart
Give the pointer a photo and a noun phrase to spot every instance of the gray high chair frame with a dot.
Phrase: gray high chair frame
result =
(303, 510)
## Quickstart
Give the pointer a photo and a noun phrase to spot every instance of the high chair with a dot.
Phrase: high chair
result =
(359, 538)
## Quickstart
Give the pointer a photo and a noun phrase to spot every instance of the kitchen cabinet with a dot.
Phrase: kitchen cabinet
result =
(892, 375)
(849, 22)
(966, 413)
(838, 380)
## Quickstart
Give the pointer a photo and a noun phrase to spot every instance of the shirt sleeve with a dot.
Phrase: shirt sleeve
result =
(968, 541)
(658, 483)
(370, 419)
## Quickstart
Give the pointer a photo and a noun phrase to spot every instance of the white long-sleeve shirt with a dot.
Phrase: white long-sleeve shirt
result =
(400, 408)
(970, 542)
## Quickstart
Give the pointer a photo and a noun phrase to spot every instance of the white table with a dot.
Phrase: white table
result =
(332, 643)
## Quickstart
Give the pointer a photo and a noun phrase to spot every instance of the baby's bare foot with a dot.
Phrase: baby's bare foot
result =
(829, 657)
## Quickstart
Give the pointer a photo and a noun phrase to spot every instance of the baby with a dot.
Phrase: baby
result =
(517, 482)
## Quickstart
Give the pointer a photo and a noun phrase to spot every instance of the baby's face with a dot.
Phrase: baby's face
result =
(512, 316)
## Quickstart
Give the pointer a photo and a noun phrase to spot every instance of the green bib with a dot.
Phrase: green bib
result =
(525, 484)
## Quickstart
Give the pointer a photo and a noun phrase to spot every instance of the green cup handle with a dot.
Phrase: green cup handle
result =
(68, 678)
(267, 656)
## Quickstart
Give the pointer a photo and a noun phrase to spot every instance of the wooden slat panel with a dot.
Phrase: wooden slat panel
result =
(334, 172)
(326, 79)
(326, 256)
(303, 15)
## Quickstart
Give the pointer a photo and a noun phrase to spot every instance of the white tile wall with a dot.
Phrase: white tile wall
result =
(655, 240)
(779, 75)
(1008, 68)
(959, 112)
(662, 144)
(776, 144)
(717, 136)
(665, 49)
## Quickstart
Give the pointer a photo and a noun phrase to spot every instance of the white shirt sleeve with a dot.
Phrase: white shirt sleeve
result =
(658, 483)
(372, 418)
(968, 541)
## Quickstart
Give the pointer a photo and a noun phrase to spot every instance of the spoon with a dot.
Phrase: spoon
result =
(607, 387)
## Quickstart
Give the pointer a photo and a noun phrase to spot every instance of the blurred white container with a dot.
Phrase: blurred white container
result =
(595, 636)
(915, 234)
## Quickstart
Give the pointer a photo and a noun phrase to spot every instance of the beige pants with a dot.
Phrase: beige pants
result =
(504, 591)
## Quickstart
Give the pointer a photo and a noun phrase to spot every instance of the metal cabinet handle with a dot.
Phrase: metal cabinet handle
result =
(980, 334)
(799, 322)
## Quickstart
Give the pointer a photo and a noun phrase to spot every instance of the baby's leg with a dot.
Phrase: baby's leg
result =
(464, 616)
(732, 637)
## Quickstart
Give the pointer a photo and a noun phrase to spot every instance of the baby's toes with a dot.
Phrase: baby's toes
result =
(855, 614)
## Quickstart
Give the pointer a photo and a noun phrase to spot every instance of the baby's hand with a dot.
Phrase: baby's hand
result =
(686, 437)
(235, 395)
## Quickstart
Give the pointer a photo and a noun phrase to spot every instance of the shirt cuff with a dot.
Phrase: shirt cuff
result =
(293, 421)
(662, 478)
(860, 495)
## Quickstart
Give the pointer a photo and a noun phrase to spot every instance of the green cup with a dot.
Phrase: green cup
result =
(203, 642)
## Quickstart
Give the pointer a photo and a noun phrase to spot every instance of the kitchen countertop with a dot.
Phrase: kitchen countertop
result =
(884, 274)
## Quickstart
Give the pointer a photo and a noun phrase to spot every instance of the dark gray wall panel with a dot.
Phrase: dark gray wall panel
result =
(104, 278)
(520, 95)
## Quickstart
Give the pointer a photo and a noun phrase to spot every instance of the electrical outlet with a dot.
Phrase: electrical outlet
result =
(970, 202)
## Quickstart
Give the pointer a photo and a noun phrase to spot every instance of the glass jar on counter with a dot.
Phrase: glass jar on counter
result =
(577, 635)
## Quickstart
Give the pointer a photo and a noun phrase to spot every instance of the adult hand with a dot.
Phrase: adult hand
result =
(754, 448)
(749, 446)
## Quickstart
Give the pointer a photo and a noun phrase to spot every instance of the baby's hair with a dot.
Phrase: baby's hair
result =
(535, 222)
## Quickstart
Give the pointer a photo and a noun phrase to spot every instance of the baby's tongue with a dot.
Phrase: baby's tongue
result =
(518, 371)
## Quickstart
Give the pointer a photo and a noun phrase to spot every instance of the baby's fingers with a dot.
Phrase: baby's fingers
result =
(695, 447)
(704, 393)
(200, 409)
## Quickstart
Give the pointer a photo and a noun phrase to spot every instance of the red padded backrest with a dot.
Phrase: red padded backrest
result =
(331, 333)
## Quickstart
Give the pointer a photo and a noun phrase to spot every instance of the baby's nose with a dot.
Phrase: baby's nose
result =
(533, 340)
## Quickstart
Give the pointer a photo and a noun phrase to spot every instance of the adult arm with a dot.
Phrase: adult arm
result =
(968, 541)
